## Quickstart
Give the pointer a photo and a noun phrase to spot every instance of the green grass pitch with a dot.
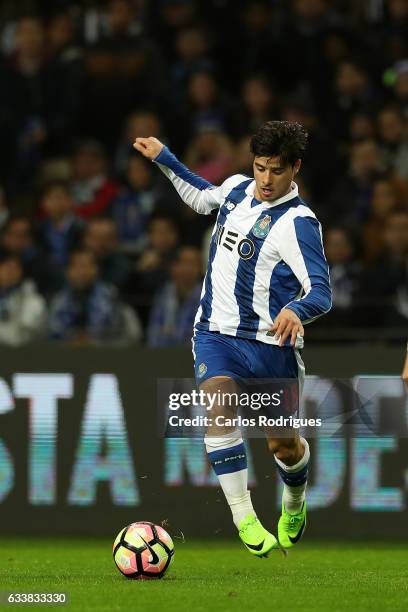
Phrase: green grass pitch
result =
(213, 576)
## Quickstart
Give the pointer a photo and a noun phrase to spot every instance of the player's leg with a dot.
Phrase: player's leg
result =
(219, 363)
(225, 446)
(282, 368)
(292, 457)
(227, 454)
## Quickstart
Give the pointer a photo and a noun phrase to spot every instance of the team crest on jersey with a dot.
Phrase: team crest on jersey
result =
(261, 228)
(202, 369)
(230, 205)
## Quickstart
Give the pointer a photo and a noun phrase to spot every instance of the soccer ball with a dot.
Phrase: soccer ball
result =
(143, 551)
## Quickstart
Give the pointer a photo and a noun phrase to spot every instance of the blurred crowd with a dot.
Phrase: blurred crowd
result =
(95, 245)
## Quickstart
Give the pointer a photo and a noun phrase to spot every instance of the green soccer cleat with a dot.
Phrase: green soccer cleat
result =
(291, 526)
(257, 540)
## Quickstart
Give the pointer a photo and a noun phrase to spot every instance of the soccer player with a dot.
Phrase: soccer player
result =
(266, 277)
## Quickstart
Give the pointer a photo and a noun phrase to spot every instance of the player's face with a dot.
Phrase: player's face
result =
(273, 180)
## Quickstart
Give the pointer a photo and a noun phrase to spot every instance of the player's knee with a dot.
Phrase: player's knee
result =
(284, 449)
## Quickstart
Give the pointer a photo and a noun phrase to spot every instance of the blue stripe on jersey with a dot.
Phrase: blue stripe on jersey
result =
(283, 288)
(167, 158)
(206, 300)
(236, 195)
(318, 300)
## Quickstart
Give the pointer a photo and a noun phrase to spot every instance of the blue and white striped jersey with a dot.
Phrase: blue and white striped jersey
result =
(264, 256)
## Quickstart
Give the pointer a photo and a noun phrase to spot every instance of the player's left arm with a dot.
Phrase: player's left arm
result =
(301, 248)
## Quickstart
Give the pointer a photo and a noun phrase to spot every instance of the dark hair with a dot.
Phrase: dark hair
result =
(285, 139)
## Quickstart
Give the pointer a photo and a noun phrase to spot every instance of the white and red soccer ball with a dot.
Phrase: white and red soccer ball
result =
(143, 551)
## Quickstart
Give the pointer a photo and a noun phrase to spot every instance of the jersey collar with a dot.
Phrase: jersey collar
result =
(293, 193)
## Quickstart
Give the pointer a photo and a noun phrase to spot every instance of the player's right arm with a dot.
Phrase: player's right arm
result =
(195, 191)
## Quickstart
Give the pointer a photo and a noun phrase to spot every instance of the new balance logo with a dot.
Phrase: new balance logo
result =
(230, 205)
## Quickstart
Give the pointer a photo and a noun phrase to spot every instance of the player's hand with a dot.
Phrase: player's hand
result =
(149, 147)
(286, 324)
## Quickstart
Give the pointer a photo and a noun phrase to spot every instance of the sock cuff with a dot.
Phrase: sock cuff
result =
(300, 465)
(214, 443)
(228, 460)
